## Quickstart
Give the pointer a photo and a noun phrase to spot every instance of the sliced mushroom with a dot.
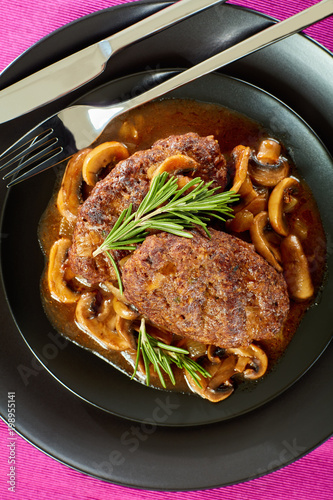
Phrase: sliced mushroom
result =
(123, 310)
(252, 356)
(250, 361)
(269, 176)
(241, 222)
(259, 203)
(242, 363)
(296, 269)
(268, 167)
(276, 205)
(247, 190)
(107, 286)
(100, 157)
(261, 243)
(242, 155)
(247, 193)
(206, 392)
(215, 354)
(219, 386)
(56, 273)
(222, 373)
(123, 327)
(269, 151)
(69, 196)
(99, 322)
(173, 165)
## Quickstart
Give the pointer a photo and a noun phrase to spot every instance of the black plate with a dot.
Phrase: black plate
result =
(92, 445)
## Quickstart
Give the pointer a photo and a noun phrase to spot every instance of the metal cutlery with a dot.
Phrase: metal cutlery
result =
(82, 67)
(76, 127)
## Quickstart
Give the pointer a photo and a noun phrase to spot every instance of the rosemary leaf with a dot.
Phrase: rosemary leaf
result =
(162, 356)
(115, 267)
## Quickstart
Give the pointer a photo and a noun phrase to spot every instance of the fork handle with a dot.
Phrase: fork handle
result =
(262, 39)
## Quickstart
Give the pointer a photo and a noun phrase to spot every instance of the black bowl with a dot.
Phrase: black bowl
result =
(86, 375)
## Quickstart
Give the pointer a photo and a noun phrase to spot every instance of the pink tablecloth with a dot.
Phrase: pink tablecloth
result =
(22, 23)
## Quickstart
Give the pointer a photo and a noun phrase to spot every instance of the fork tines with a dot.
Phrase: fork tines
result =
(36, 147)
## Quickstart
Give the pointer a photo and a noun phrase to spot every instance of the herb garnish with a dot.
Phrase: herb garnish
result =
(166, 208)
(162, 356)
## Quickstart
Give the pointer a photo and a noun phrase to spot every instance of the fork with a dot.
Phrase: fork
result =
(60, 136)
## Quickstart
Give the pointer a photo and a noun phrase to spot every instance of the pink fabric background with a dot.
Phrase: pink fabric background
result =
(22, 23)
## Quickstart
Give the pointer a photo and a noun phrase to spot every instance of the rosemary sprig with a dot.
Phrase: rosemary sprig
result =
(167, 208)
(162, 356)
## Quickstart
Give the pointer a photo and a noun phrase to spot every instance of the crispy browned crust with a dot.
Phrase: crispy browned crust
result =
(217, 291)
(128, 183)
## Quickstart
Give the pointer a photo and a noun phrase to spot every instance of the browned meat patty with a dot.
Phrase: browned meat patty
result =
(128, 183)
(217, 291)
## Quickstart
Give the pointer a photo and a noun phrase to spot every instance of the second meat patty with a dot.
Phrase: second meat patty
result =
(217, 291)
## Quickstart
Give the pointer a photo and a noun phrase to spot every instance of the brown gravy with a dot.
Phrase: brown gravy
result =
(159, 120)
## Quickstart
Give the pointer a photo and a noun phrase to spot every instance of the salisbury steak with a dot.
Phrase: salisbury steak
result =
(217, 291)
(128, 183)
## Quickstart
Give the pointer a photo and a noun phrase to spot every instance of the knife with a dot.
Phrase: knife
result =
(74, 71)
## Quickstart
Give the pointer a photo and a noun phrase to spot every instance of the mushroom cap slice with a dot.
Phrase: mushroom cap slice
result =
(269, 151)
(242, 155)
(69, 196)
(222, 373)
(251, 355)
(241, 222)
(296, 269)
(268, 167)
(123, 310)
(56, 273)
(275, 205)
(206, 392)
(101, 156)
(260, 241)
(101, 325)
(176, 164)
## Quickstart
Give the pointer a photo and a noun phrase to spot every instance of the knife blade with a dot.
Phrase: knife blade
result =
(76, 70)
